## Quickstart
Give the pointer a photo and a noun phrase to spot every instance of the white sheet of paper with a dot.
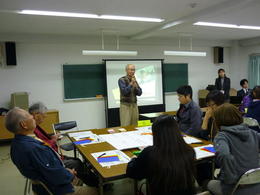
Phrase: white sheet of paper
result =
(80, 135)
(123, 158)
(191, 140)
(203, 154)
(128, 140)
(86, 134)
(95, 139)
(144, 128)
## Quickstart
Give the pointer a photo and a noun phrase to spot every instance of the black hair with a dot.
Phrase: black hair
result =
(172, 160)
(216, 96)
(256, 92)
(221, 69)
(185, 90)
(242, 82)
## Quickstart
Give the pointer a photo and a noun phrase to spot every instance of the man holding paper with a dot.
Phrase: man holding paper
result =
(38, 111)
(129, 89)
(36, 160)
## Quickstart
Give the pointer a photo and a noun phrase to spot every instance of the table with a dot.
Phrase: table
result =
(152, 116)
(114, 172)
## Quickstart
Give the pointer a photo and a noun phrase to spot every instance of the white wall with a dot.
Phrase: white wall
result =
(39, 72)
(239, 57)
(239, 64)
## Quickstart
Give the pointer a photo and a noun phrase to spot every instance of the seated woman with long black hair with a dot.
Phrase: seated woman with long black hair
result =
(168, 165)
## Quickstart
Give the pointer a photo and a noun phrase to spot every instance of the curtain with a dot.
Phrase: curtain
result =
(254, 70)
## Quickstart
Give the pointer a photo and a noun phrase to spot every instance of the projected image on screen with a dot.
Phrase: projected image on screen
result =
(148, 76)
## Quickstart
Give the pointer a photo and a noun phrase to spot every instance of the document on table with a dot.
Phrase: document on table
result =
(111, 157)
(130, 139)
(144, 128)
(80, 135)
(85, 137)
(191, 140)
(204, 151)
(135, 139)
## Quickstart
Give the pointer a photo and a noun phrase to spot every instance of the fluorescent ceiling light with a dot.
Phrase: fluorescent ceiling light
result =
(169, 25)
(227, 25)
(250, 27)
(64, 14)
(143, 19)
(109, 53)
(85, 15)
(184, 53)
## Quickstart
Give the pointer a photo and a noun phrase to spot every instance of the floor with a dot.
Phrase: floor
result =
(12, 182)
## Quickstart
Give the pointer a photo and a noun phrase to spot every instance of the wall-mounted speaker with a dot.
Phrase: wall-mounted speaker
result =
(10, 53)
(218, 55)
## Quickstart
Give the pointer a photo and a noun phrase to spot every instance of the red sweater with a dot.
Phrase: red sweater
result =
(41, 134)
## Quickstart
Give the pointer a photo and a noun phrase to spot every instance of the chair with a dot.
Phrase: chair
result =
(202, 94)
(148, 190)
(28, 186)
(64, 128)
(232, 92)
(204, 193)
(251, 122)
(250, 177)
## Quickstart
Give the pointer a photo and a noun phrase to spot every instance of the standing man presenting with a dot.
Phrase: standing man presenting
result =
(129, 89)
(222, 83)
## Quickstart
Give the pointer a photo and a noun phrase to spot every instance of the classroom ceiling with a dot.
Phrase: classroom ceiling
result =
(243, 12)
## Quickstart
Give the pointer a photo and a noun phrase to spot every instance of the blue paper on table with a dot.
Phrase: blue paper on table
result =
(108, 159)
(85, 141)
(210, 149)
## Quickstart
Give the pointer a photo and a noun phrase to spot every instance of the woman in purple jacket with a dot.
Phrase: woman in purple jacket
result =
(254, 107)
(246, 102)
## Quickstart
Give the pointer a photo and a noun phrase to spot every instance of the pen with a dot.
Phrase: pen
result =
(102, 155)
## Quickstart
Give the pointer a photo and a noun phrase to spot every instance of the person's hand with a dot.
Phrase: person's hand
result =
(133, 81)
(209, 113)
(55, 137)
(72, 171)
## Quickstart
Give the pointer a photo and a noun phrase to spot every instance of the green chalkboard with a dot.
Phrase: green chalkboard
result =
(89, 80)
(174, 76)
(84, 81)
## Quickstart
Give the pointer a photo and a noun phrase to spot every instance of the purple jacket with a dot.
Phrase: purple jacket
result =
(254, 110)
(245, 103)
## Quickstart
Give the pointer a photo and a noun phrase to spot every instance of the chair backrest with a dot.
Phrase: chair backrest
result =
(65, 127)
(251, 122)
(232, 92)
(202, 93)
(250, 177)
(212, 129)
(43, 185)
(204, 193)
(29, 183)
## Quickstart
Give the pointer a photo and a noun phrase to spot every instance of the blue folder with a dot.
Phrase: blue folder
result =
(210, 149)
(82, 141)
(108, 159)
